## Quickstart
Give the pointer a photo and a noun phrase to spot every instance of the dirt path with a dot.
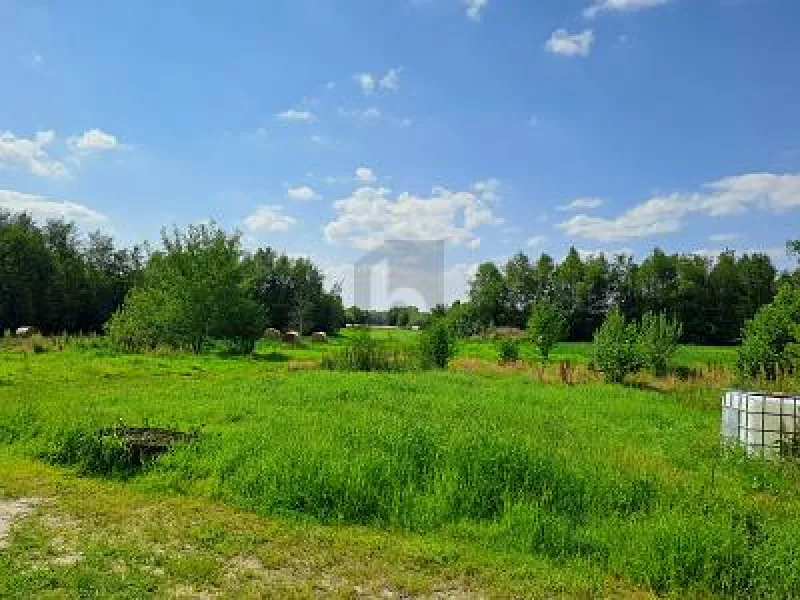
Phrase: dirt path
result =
(10, 511)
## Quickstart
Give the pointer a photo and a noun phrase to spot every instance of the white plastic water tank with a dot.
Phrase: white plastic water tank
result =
(765, 424)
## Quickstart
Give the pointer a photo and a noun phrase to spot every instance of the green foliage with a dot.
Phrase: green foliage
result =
(508, 349)
(489, 296)
(195, 290)
(56, 280)
(437, 345)
(615, 347)
(657, 341)
(291, 294)
(770, 340)
(364, 352)
(545, 327)
(462, 319)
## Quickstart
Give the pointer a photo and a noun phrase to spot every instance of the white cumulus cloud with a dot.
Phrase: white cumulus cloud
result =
(391, 81)
(620, 6)
(563, 43)
(302, 193)
(41, 208)
(369, 217)
(581, 204)
(665, 213)
(365, 174)
(92, 141)
(369, 82)
(366, 81)
(475, 8)
(269, 217)
(31, 154)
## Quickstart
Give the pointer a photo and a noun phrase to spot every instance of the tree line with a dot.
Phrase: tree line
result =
(711, 298)
(198, 286)
(57, 280)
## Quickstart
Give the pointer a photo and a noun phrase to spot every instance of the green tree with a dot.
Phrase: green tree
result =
(770, 340)
(195, 290)
(614, 350)
(657, 341)
(521, 284)
(489, 295)
(569, 293)
(545, 327)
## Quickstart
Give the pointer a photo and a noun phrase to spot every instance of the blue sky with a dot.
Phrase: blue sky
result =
(325, 127)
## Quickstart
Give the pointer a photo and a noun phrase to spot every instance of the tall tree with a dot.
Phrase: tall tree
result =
(489, 296)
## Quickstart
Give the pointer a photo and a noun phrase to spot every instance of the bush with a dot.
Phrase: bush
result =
(770, 340)
(192, 292)
(437, 345)
(615, 352)
(508, 349)
(545, 327)
(657, 341)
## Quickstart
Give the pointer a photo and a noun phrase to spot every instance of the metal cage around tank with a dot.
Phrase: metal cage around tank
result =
(764, 424)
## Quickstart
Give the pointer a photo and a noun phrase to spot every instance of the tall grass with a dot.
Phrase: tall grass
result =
(630, 481)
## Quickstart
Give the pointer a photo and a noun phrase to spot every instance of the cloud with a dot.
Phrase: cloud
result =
(536, 241)
(31, 154)
(475, 9)
(367, 114)
(565, 44)
(302, 193)
(365, 174)
(366, 81)
(94, 140)
(42, 209)
(269, 217)
(665, 213)
(581, 204)
(391, 81)
(724, 237)
(488, 189)
(620, 6)
(294, 114)
(369, 217)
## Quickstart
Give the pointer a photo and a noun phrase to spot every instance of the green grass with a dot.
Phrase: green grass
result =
(595, 479)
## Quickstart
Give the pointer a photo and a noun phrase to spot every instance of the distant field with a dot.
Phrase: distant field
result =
(591, 488)
(691, 356)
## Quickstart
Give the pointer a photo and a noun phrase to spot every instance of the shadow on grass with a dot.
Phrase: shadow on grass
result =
(271, 357)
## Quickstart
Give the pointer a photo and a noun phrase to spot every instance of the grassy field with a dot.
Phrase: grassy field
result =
(315, 483)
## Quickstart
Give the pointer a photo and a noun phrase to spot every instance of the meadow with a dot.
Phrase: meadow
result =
(499, 480)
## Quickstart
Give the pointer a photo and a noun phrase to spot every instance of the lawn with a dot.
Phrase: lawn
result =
(454, 480)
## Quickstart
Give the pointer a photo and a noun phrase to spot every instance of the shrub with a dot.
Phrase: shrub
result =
(770, 340)
(657, 341)
(365, 353)
(437, 345)
(615, 352)
(508, 349)
(545, 327)
(192, 292)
